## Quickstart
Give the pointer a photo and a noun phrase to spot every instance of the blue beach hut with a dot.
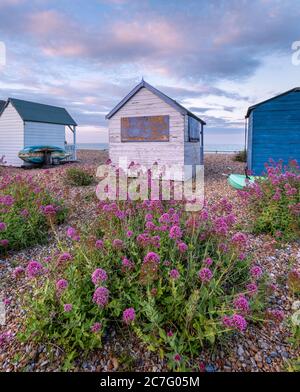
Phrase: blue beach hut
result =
(273, 130)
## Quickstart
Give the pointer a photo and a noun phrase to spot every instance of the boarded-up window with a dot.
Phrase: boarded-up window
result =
(194, 129)
(145, 129)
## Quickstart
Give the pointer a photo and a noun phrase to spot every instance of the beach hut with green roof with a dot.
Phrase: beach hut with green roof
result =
(24, 124)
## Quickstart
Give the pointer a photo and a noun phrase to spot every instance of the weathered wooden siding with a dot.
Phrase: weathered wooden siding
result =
(145, 103)
(193, 151)
(249, 141)
(36, 133)
(276, 131)
(11, 136)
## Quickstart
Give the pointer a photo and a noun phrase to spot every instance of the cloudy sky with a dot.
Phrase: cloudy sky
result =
(215, 57)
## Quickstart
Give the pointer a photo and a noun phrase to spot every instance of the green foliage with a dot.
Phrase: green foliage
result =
(275, 202)
(293, 365)
(173, 316)
(241, 156)
(22, 204)
(76, 176)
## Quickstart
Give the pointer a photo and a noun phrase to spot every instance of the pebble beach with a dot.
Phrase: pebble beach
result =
(261, 348)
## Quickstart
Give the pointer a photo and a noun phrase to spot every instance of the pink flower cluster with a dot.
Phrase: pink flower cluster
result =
(239, 239)
(148, 217)
(99, 276)
(289, 190)
(49, 210)
(220, 226)
(99, 244)
(100, 296)
(151, 257)
(182, 247)
(96, 327)
(66, 256)
(68, 308)
(205, 275)
(174, 274)
(18, 272)
(241, 303)
(4, 243)
(256, 272)
(5, 338)
(277, 194)
(61, 285)
(236, 321)
(127, 264)
(276, 314)
(7, 200)
(164, 218)
(208, 261)
(117, 243)
(177, 357)
(72, 233)
(129, 315)
(251, 288)
(175, 232)
(33, 269)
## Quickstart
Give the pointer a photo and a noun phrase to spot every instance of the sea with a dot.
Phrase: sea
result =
(220, 148)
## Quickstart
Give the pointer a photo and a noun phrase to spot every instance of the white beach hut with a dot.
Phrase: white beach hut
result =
(147, 127)
(24, 124)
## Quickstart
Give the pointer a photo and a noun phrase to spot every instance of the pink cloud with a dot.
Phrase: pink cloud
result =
(45, 22)
(157, 34)
(65, 50)
(5, 3)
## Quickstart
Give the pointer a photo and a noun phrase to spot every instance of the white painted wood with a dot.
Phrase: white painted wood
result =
(177, 151)
(11, 136)
(36, 133)
(145, 103)
(192, 153)
(75, 143)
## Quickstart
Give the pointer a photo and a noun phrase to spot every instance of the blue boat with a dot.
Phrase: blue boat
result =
(39, 154)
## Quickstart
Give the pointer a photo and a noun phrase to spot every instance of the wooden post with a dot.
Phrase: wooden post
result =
(74, 142)
(47, 159)
(202, 145)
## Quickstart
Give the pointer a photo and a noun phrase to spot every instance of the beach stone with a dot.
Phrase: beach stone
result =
(268, 360)
(240, 351)
(115, 363)
(210, 368)
(253, 362)
(258, 358)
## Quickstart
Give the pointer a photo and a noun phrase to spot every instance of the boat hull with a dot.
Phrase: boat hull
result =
(37, 154)
(239, 181)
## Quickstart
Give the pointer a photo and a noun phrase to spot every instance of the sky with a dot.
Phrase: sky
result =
(215, 57)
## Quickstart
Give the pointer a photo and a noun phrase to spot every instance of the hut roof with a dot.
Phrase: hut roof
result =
(295, 89)
(2, 104)
(158, 93)
(37, 112)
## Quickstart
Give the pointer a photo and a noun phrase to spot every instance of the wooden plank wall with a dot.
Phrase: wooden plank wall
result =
(11, 136)
(145, 103)
(42, 133)
(276, 131)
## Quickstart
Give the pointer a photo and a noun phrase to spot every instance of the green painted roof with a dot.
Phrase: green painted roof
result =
(2, 104)
(37, 112)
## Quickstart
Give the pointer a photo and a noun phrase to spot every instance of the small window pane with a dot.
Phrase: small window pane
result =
(194, 130)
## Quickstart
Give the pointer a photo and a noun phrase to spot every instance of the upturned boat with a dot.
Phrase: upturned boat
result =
(39, 154)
